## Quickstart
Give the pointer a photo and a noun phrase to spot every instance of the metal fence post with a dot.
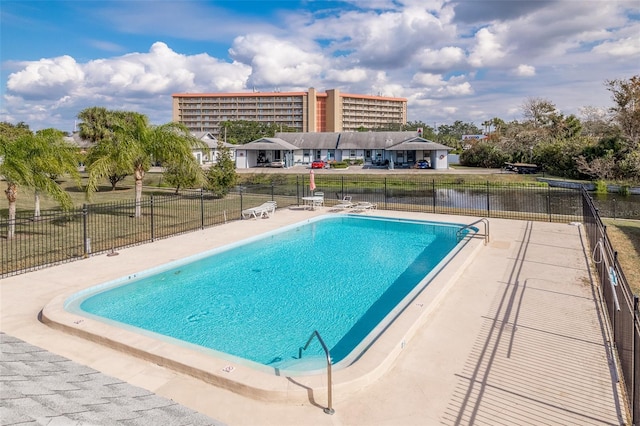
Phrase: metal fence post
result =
(433, 189)
(549, 202)
(85, 231)
(151, 208)
(201, 208)
(385, 192)
(488, 198)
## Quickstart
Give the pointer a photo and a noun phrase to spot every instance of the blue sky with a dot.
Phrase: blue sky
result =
(468, 60)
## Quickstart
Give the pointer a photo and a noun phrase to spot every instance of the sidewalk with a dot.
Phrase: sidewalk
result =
(518, 338)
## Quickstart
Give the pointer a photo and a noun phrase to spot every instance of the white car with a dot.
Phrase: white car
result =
(277, 163)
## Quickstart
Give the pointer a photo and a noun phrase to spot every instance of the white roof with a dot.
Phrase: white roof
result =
(268, 144)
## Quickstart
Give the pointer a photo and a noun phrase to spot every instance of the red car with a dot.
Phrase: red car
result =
(318, 164)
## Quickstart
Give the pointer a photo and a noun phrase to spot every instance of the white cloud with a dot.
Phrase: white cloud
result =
(441, 59)
(626, 47)
(487, 49)
(435, 86)
(525, 71)
(379, 40)
(277, 62)
(428, 79)
(353, 75)
(138, 81)
(462, 89)
(46, 78)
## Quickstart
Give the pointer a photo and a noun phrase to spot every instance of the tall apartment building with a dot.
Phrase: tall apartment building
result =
(309, 111)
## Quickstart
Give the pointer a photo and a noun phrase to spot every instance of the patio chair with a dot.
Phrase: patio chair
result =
(364, 206)
(345, 203)
(264, 210)
(319, 199)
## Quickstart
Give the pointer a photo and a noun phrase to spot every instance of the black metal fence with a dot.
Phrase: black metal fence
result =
(56, 236)
(621, 303)
(454, 196)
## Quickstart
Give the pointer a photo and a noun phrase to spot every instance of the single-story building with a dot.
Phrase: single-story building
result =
(210, 155)
(402, 149)
(396, 149)
(263, 152)
(204, 156)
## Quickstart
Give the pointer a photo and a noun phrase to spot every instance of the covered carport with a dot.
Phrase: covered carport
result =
(263, 152)
(409, 152)
(313, 146)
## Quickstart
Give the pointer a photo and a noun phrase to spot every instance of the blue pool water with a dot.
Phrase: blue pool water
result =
(261, 300)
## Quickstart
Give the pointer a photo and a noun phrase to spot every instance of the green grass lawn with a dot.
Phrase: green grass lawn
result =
(125, 191)
(625, 238)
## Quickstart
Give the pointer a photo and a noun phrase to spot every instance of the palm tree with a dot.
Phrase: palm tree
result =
(106, 155)
(54, 158)
(33, 161)
(169, 143)
(131, 144)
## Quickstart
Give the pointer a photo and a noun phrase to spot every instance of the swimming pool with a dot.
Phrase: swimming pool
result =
(258, 301)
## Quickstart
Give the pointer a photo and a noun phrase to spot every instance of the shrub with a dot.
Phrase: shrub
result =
(339, 164)
(484, 154)
(624, 190)
(601, 187)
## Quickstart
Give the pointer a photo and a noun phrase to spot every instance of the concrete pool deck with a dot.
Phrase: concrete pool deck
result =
(517, 337)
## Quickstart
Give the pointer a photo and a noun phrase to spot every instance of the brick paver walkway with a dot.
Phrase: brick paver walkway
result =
(39, 387)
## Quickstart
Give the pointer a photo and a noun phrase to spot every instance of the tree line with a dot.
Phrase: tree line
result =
(604, 145)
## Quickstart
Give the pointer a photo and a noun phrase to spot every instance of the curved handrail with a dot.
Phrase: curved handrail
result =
(613, 276)
(329, 409)
(484, 221)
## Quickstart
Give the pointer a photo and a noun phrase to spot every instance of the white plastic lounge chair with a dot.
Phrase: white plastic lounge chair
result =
(364, 206)
(344, 204)
(264, 210)
(269, 209)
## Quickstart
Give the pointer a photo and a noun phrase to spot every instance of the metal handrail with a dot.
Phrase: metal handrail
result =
(484, 221)
(329, 409)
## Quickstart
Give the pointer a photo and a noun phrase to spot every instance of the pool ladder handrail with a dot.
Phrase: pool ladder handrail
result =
(329, 409)
(484, 221)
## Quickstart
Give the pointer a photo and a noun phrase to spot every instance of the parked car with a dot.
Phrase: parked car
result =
(318, 164)
(277, 163)
(422, 164)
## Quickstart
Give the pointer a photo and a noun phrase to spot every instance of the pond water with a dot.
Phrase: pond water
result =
(617, 206)
(556, 201)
